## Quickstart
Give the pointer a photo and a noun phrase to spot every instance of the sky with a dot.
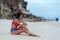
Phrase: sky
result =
(44, 8)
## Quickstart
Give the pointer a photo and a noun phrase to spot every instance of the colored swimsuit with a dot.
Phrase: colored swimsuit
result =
(16, 24)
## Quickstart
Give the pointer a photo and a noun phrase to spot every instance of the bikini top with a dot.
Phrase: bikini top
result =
(15, 23)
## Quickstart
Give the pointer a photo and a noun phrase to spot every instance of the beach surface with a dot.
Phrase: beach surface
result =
(46, 31)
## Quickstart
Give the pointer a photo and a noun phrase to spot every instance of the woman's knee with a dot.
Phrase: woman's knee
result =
(24, 25)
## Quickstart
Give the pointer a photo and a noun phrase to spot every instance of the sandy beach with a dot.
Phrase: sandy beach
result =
(46, 30)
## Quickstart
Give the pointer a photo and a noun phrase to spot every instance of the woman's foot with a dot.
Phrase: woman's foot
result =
(34, 35)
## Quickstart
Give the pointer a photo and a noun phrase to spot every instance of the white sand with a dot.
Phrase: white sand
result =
(46, 30)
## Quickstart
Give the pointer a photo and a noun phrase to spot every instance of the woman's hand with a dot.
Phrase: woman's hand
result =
(24, 23)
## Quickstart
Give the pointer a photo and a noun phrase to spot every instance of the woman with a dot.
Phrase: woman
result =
(18, 26)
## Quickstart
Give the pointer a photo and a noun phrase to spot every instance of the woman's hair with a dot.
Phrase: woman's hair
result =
(18, 15)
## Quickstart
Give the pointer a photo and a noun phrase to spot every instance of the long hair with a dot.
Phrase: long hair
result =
(18, 15)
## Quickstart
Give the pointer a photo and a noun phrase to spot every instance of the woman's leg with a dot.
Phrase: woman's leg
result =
(27, 31)
(16, 32)
(23, 28)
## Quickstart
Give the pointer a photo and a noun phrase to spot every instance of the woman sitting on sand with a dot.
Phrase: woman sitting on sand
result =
(18, 26)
